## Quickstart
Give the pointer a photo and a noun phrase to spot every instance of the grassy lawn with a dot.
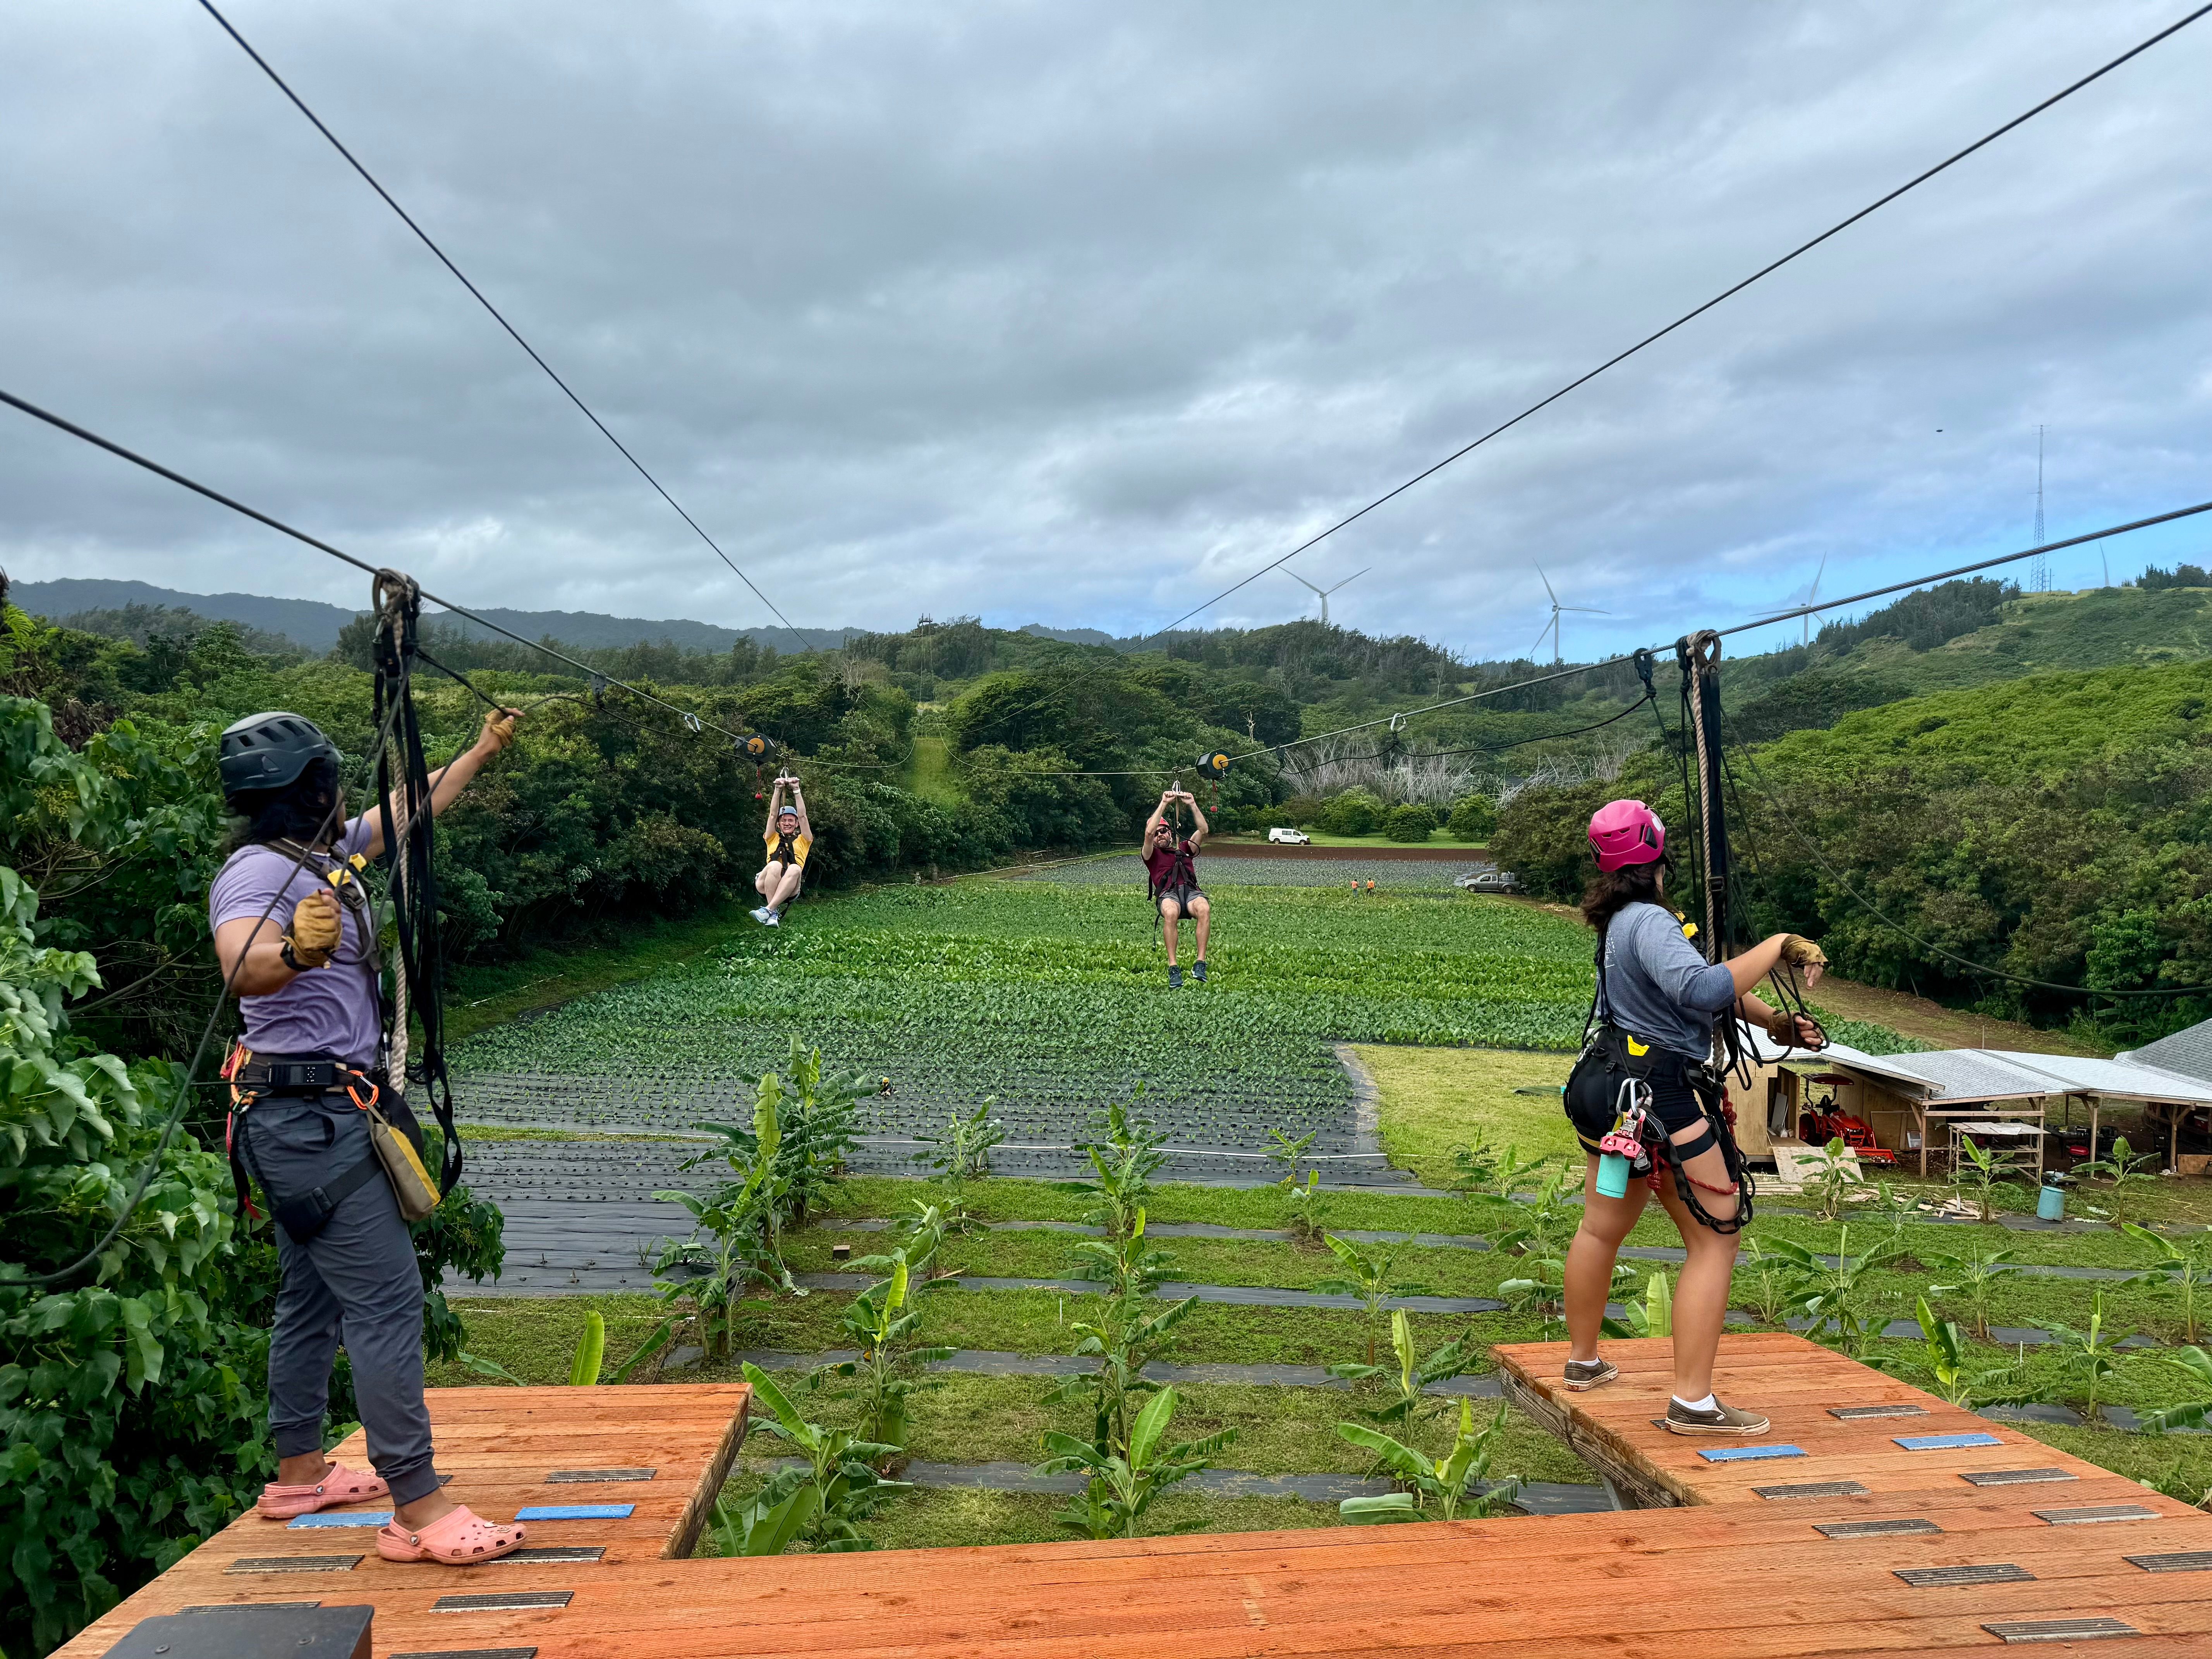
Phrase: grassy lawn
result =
(1429, 1100)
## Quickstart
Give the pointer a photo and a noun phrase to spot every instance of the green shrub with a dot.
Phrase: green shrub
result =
(1411, 822)
(1474, 818)
(1354, 812)
(1303, 811)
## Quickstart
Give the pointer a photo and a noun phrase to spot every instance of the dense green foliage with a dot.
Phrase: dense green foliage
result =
(131, 1404)
(2053, 827)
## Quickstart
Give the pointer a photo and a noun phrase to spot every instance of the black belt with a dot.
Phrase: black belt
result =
(298, 1074)
(269, 1077)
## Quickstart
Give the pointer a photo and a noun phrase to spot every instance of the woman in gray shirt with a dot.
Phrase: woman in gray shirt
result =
(1658, 988)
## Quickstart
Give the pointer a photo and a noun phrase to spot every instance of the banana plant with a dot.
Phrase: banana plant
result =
(1127, 1264)
(887, 1372)
(1944, 1366)
(1480, 1170)
(1762, 1285)
(1456, 1485)
(1833, 1182)
(1652, 1316)
(1548, 1224)
(839, 1488)
(1123, 1485)
(1127, 1336)
(961, 1151)
(2091, 1359)
(1371, 1275)
(1979, 1175)
(591, 1352)
(2128, 1173)
(2181, 1273)
(1975, 1273)
(1301, 1208)
(1413, 1375)
(1832, 1295)
(2196, 1413)
(1124, 1157)
(1286, 1151)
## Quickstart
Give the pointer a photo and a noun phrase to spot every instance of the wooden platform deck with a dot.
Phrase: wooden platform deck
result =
(644, 1463)
(1733, 1564)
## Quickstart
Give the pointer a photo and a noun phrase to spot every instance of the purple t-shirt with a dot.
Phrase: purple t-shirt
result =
(331, 1010)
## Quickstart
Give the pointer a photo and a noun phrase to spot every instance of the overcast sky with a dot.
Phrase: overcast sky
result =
(1078, 314)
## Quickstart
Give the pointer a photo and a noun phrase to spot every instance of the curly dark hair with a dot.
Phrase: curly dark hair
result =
(1611, 890)
(297, 811)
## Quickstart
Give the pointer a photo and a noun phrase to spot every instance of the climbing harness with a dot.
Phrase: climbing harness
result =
(395, 1140)
(418, 977)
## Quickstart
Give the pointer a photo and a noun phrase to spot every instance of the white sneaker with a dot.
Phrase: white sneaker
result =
(773, 920)
(764, 915)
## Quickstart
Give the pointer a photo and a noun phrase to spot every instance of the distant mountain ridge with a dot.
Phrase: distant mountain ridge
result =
(314, 625)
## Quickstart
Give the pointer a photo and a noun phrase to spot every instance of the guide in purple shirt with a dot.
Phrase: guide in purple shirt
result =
(296, 932)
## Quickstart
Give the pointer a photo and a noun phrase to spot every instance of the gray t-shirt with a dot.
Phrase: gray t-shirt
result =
(1657, 984)
(331, 1010)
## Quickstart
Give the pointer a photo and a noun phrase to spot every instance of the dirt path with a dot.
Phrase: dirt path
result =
(1931, 1022)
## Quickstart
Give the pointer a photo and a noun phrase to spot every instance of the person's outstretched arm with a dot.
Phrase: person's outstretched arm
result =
(449, 779)
(774, 805)
(1158, 820)
(1197, 835)
(799, 799)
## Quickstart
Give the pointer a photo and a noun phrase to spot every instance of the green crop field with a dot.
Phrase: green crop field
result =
(1054, 999)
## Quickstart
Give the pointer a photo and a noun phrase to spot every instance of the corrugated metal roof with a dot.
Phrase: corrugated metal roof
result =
(1971, 1074)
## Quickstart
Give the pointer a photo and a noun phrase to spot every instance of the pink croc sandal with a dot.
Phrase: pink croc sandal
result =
(340, 1486)
(456, 1538)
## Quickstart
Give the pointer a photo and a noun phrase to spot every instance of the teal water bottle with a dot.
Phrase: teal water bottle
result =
(1613, 1176)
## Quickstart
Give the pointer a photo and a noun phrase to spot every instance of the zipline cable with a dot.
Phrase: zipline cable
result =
(423, 235)
(1747, 626)
(1879, 203)
(693, 721)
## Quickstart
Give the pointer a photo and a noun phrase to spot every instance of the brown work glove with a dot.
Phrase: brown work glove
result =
(1801, 953)
(1781, 1026)
(499, 728)
(314, 932)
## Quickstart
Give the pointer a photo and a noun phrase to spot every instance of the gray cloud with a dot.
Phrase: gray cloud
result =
(1081, 315)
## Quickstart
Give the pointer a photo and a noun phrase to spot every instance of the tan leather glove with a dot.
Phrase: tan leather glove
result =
(1781, 1026)
(499, 728)
(1801, 953)
(315, 933)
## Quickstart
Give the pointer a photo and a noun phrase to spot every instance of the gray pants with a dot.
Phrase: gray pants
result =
(355, 1282)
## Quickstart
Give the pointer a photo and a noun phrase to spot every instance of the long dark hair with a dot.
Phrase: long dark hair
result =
(1612, 890)
(297, 811)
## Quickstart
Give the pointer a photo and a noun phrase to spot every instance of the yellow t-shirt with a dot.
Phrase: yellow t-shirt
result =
(799, 843)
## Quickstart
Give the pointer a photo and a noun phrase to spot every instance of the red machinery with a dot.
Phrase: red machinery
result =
(1823, 1120)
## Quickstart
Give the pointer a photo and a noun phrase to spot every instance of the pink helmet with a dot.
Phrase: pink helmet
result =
(1626, 832)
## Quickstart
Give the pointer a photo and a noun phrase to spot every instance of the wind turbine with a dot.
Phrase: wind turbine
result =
(1325, 592)
(1811, 594)
(1552, 626)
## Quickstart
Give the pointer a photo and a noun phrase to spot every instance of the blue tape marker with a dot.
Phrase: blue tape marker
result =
(343, 1518)
(577, 1512)
(1944, 1442)
(1749, 1454)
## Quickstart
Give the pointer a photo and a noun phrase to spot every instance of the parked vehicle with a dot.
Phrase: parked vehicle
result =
(1488, 881)
(1283, 836)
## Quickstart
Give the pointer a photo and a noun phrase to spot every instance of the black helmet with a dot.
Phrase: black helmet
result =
(267, 751)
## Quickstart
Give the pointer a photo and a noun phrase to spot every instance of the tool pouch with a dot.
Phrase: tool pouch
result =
(1594, 1097)
(397, 1140)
